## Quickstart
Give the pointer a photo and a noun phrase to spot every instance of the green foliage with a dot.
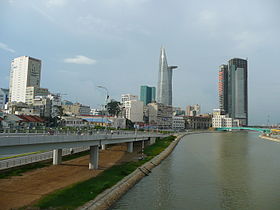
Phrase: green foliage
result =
(113, 108)
(159, 146)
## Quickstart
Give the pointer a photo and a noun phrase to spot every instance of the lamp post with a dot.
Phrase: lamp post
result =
(107, 92)
(106, 101)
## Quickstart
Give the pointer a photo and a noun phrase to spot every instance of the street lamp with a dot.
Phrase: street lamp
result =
(107, 92)
(106, 100)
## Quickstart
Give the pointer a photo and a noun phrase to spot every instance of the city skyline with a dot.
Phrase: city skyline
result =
(87, 47)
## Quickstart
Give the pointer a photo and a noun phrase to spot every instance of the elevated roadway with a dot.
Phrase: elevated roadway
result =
(17, 143)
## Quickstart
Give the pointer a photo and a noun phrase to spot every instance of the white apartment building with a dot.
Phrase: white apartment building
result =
(32, 92)
(178, 123)
(219, 120)
(134, 110)
(25, 72)
(128, 97)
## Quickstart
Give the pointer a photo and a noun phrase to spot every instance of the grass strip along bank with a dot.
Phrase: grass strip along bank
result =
(82, 192)
(18, 171)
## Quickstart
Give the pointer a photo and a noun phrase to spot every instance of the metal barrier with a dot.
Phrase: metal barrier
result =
(19, 161)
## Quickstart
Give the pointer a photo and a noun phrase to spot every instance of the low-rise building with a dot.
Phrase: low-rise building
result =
(28, 111)
(76, 109)
(29, 122)
(69, 121)
(198, 122)
(97, 120)
(178, 123)
(11, 121)
(15, 107)
(220, 120)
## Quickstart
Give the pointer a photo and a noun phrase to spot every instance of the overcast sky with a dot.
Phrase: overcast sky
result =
(116, 44)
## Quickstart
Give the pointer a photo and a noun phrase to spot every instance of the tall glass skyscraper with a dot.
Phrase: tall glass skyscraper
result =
(233, 89)
(238, 90)
(147, 94)
(164, 90)
(223, 88)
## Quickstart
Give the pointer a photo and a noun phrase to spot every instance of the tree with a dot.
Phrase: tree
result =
(113, 108)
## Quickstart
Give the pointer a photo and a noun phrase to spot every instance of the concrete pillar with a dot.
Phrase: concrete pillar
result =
(130, 147)
(93, 157)
(103, 146)
(57, 156)
(152, 140)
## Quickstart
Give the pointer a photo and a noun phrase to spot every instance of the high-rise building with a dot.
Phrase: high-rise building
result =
(160, 115)
(25, 72)
(238, 90)
(164, 89)
(193, 110)
(147, 94)
(4, 97)
(223, 88)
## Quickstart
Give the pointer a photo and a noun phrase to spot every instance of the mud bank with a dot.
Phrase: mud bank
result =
(270, 138)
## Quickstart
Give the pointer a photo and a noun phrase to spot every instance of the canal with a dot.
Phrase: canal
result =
(227, 170)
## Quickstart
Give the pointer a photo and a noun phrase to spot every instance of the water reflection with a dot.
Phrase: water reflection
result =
(233, 172)
(212, 171)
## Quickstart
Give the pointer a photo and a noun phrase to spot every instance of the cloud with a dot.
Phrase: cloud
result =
(80, 59)
(247, 39)
(5, 47)
(56, 3)
(43, 13)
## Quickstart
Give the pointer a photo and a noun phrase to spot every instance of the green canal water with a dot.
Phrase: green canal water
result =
(226, 170)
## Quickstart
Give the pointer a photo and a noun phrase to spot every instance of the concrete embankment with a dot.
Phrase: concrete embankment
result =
(111, 195)
(270, 138)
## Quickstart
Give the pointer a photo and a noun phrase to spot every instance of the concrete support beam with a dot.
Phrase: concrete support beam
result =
(57, 156)
(130, 147)
(152, 140)
(93, 157)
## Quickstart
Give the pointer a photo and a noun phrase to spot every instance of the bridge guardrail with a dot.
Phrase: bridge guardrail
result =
(19, 161)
